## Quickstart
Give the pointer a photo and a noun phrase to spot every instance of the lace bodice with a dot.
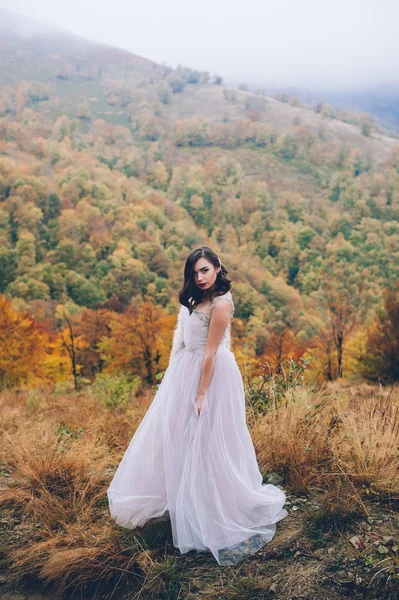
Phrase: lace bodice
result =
(192, 330)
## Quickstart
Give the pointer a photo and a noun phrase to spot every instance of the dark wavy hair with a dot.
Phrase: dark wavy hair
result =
(191, 295)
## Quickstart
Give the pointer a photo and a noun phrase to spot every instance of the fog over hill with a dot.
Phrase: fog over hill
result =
(43, 42)
(82, 70)
(380, 100)
(34, 50)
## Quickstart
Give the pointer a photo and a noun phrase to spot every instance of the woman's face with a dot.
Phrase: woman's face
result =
(204, 274)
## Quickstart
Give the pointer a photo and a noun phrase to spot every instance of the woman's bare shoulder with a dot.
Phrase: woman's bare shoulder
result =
(223, 300)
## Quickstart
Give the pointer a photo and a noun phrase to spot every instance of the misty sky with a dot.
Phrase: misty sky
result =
(306, 43)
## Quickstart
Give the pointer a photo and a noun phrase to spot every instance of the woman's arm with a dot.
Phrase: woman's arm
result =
(178, 335)
(221, 315)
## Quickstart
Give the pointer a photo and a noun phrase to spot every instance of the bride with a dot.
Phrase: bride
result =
(192, 459)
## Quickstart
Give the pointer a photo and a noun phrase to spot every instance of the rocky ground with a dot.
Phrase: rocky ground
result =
(309, 558)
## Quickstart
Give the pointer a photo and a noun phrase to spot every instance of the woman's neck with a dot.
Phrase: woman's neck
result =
(208, 293)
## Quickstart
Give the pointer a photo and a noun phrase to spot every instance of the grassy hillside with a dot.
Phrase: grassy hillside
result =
(32, 50)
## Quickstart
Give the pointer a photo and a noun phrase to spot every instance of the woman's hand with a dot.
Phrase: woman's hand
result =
(198, 404)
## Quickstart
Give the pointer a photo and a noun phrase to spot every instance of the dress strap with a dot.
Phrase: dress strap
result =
(228, 297)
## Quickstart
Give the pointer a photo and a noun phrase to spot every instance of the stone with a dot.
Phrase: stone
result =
(274, 479)
(387, 538)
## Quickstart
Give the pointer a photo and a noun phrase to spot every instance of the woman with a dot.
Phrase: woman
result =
(192, 458)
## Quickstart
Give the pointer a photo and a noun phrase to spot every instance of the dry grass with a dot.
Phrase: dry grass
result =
(292, 439)
(365, 445)
(335, 438)
(57, 454)
(57, 487)
(303, 580)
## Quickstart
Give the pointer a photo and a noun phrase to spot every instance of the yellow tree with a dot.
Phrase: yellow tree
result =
(140, 340)
(72, 343)
(66, 347)
(23, 343)
(323, 343)
(94, 326)
(345, 300)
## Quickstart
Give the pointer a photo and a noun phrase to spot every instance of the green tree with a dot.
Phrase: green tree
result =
(380, 358)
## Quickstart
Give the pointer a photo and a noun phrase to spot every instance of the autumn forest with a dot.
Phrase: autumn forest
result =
(113, 168)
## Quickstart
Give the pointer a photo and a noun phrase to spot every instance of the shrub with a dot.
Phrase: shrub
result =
(115, 390)
(272, 386)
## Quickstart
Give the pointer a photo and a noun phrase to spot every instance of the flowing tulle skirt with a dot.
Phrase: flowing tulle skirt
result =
(200, 471)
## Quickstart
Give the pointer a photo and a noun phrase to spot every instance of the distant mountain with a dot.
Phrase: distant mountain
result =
(380, 101)
(82, 72)
(113, 84)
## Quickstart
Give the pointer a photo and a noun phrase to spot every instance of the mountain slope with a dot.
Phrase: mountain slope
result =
(30, 49)
(113, 168)
(80, 68)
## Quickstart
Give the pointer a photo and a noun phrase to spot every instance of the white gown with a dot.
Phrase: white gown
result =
(199, 471)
